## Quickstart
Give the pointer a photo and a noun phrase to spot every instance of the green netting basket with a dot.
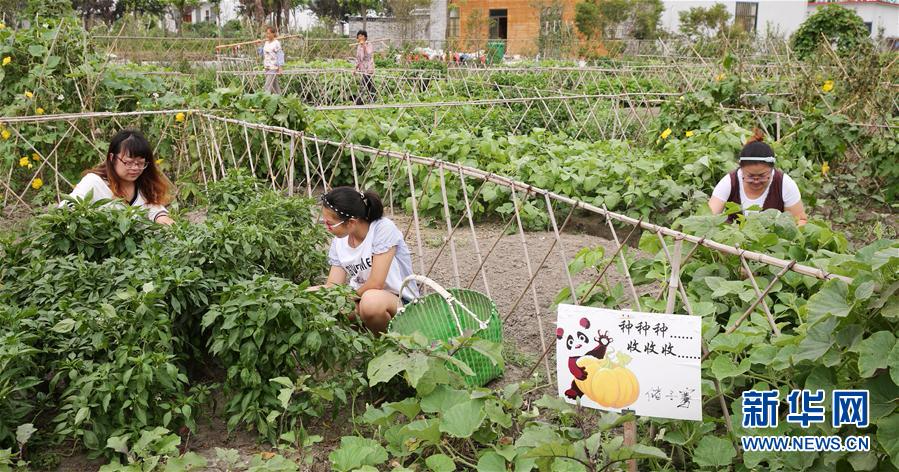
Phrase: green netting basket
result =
(449, 313)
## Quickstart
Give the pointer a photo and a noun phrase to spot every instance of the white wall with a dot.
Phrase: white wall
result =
(879, 14)
(782, 16)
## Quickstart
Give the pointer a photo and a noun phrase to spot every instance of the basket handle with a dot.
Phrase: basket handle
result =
(448, 297)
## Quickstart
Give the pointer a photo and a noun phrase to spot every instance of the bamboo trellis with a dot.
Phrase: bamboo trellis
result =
(298, 163)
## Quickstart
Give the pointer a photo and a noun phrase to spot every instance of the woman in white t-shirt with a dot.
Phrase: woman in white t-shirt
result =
(757, 183)
(129, 175)
(368, 252)
(272, 61)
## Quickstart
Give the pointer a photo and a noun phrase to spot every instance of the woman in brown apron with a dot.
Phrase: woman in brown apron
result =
(757, 185)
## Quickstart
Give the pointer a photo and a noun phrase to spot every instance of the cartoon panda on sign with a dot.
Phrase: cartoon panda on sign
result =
(607, 383)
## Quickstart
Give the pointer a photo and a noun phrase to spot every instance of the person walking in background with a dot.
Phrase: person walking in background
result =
(272, 60)
(365, 65)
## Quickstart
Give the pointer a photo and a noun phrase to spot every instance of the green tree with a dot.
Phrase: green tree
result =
(700, 22)
(363, 7)
(587, 20)
(647, 15)
(48, 8)
(834, 25)
(607, 18)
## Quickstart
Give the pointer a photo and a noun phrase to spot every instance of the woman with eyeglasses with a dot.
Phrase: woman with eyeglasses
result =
(129, 174)
(369, 253)
(757, 183)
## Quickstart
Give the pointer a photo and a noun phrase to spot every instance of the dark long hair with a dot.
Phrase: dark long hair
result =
(152, 184)
(348, 203)
(756, 147)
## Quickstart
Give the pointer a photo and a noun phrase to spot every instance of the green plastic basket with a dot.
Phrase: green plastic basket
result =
(450, 313)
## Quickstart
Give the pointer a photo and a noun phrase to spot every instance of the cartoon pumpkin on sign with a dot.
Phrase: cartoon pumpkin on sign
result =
(609, 383)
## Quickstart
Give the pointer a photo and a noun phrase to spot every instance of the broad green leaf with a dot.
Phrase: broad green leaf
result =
(442, 399)
(723, 367)
(284, 396)
(893, 362)
(873, 352)
(189, 461)
(884, 395)
(354, 452)
(118, 444)
(888, 437)
(424, 430)
(536, 434)
(714, 452)
(463, 419)
(830, 299)
(491, 462)
(24, 432)
(497, 415)
(408, 407)
(285, 381)
(862, 461)
(440, 463)
(418, 366)
(82, 414)
(817, 341)
(638, 451)
(493, 351)
(385, 367)
(37, 50)
(63, 326)
(864, 290)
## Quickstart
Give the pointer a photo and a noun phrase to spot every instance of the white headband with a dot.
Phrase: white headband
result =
(769, 159)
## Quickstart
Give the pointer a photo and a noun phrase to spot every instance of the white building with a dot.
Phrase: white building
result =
(300, 19)
(782, 17)
(880, 16)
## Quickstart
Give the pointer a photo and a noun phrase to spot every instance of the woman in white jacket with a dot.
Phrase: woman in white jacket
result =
(129, 175)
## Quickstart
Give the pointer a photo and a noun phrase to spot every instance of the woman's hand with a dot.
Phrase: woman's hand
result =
(164, 220)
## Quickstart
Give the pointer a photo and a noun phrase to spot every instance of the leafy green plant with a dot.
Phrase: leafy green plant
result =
(289, 352)
(830, 330)
(155, 449)
(831, 24)
(446, 426)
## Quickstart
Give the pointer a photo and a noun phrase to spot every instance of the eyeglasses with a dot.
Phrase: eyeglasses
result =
(140, 164)
(756, 177)
(329, 225)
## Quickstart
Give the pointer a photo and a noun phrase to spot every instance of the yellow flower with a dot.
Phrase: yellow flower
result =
(2, 25)
(159, 162)
(28, 94)
(825, 169)
(30, 166)
(688, 133)
(5, 134)
(7, 60)
(828, 86)
(665, 133)
(39, 111)
(23, 162)
(720, 77)
(37, 183)
(179, 117)
(36, 156)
